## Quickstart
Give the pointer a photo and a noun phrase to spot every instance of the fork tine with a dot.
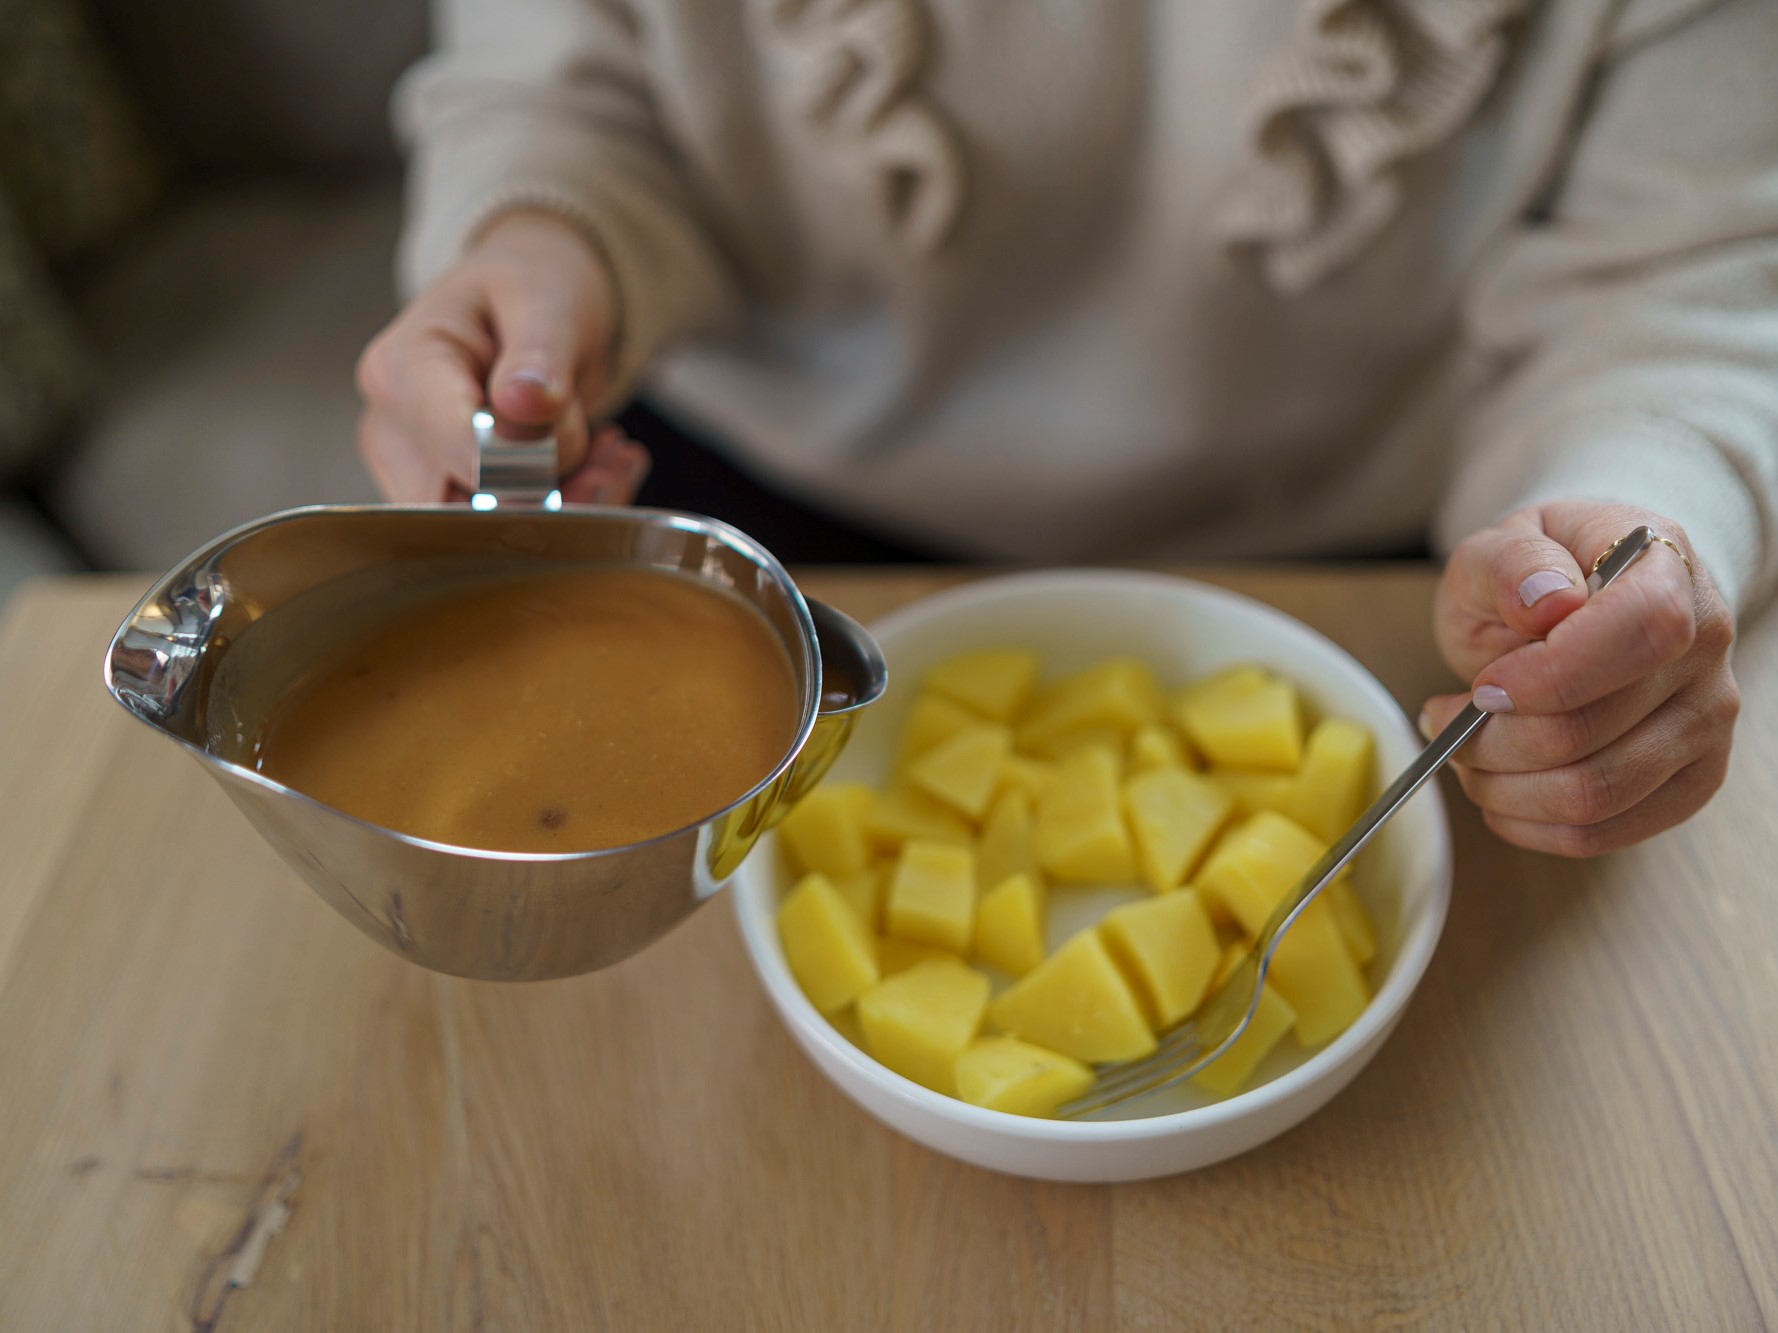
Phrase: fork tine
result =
(1159, 1080)
(1172, 1046)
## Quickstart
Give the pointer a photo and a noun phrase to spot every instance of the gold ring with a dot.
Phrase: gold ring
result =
(1668, 542)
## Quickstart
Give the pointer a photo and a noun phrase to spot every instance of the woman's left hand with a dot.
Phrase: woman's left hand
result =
(1615, 714)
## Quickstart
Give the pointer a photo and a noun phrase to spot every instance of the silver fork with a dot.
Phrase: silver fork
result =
(1225, 1015)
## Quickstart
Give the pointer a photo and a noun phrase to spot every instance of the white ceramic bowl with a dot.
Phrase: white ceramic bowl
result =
(1185, 629)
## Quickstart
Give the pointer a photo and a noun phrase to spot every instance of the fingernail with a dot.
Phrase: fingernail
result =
(1541, 584)
(539, 379)
(1493, 699)
(1425, 724)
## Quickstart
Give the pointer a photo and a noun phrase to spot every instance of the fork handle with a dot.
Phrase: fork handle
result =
(1615, 561)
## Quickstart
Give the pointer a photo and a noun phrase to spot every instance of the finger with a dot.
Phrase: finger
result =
(403, 473)
(1644, 621)
(614, 471)
(543, 355)
(1527, 742)
(424, 381)
(1529, 579)
(1606, 782)
(1683, 795)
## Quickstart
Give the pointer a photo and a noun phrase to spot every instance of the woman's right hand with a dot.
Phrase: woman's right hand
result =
(522, 325)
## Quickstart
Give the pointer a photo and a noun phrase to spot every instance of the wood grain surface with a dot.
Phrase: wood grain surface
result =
(222, 1108)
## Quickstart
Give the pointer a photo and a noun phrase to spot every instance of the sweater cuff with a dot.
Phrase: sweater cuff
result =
(1669, 469)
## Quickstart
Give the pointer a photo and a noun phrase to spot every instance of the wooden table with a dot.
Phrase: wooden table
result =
(222, 1108)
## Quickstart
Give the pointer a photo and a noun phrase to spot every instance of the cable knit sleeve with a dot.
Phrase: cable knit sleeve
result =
(547, 104)
(1632, 325)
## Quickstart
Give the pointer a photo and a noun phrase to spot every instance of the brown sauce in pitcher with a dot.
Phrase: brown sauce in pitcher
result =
(552, 712)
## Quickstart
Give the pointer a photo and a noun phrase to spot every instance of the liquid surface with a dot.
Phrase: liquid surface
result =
(554, 712)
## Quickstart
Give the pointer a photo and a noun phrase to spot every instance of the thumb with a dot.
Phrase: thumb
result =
(531, 384)
(1528, 578)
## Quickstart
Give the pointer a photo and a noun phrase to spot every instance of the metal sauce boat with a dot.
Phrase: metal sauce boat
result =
(202, 657)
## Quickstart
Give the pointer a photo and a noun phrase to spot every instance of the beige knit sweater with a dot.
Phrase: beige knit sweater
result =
(1098, 279)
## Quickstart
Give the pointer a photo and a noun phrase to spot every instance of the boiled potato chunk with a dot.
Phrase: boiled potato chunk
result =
(895, 955)
(1257, 726)
(1250, 871)
(1257, 863)
(1006, 1074)
(919, 1021)
(1009, 925)
(1023, 773)
(963, 770)
(865, 890)
(932, 896)
(1078, 1003)
(904, 813)
(1272, 1017)
(1174, 817)
(1008, 845)
(932, 719)
(1333, 785)
(1253, 792)
(827, 945)
(825, 830)
(1120, 692)
(1228, 683)
(995, 683)
(1063, 744)
(1356, 926)
(1159, 746)
(1313, 969)
(1169, 947)
(1080, 831)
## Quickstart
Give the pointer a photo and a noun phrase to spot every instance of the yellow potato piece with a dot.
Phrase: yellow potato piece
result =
(1229, 683)
(865, 890)
(1078, 1003)
(932, 718)
(1253, 792)
(1160, 746)
(895, 955)
(1008, 845)
(919, 1021)
(1174, 817)
(1025, 774)
(932, 896)
(1250, 871)
(1255, 864)
(1006, 1074)
(904, 813)
(1333, 785)
(963, 771)
(995, 683)
(1065, 744)
(1356, 926)
(1258, 727)
(1080, 831)
(1316, 973)
(1168, 946)
(828, 947)
(1009, 925)
(1120, 692)
(1228, 1073)
(825, 830)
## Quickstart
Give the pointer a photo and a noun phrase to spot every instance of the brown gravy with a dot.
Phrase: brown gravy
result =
(552, 712)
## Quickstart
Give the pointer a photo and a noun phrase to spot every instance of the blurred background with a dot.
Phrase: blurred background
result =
(198, 208)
